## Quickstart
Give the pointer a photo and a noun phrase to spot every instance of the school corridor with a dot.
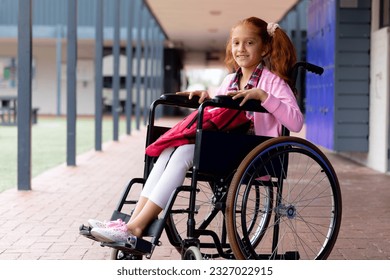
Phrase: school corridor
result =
(43, 223)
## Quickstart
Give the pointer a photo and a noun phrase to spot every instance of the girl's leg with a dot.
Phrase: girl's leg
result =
(138, 207)
(148, 213)
(172, 177)
(154, 198)
(151, 182)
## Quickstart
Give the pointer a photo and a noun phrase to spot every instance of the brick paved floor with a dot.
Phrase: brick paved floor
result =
(43, 223)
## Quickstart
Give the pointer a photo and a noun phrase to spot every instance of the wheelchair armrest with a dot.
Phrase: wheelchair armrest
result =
(218, 101)
(169, 99)
(179, 100)
(224, 101)
(227, 102)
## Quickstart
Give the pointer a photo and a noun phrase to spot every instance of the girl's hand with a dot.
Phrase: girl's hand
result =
(253, 93)
(203, 95)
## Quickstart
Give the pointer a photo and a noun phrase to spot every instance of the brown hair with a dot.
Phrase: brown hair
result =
(280, 52)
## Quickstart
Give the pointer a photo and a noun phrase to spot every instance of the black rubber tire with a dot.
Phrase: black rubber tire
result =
(307, 207)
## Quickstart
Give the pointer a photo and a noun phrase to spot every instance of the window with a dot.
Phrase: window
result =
(7, 72)
(384, 13)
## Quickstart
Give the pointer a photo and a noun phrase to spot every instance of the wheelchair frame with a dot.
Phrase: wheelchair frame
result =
(263, 214)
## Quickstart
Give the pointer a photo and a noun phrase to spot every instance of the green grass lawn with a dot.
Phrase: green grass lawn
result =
(48, 145)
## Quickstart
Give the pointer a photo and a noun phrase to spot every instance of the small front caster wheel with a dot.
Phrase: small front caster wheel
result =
(192, 253)
(120, 255)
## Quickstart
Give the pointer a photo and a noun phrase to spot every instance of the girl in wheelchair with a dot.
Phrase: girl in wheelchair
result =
(262, 56)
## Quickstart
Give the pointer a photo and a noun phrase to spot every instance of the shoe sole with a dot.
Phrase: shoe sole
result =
(101, 237)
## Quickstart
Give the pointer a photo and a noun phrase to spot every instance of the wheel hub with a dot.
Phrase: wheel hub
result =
(288, 211)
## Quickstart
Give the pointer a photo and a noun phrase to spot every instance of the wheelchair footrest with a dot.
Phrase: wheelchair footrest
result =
(86, 232)
(133, 245)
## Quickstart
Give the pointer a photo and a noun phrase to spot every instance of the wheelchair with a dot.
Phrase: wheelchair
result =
(246, 196)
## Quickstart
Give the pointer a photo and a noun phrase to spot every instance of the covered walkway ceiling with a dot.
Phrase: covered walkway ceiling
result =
(204, 25)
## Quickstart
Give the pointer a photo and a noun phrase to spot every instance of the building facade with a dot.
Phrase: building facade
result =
(347, 109)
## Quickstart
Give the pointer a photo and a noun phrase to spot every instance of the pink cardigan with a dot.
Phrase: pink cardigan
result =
(281, 104)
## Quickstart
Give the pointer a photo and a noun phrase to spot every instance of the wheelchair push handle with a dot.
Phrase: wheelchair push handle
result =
(306, 66)
(314, 68)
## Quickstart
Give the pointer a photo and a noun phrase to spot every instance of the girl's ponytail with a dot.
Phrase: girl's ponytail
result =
(282, 56)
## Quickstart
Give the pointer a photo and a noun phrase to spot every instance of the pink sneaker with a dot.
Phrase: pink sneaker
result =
(111, 234)
(98, 224)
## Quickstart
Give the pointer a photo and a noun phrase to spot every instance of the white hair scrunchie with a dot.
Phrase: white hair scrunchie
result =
(271, 27)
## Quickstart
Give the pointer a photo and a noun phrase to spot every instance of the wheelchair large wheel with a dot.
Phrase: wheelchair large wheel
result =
(210, 208)
(304, 220)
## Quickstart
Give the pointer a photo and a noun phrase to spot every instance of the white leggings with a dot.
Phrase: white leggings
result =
(168, 173)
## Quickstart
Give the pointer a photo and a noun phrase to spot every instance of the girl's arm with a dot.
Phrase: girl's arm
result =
(282, 104)
(277, 98)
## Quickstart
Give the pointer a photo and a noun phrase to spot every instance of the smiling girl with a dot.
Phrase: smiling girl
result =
(262, 57)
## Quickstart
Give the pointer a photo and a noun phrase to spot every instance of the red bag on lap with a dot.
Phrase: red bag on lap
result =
(216, 119)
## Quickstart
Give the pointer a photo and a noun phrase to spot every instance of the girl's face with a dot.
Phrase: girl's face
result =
(247, 47)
